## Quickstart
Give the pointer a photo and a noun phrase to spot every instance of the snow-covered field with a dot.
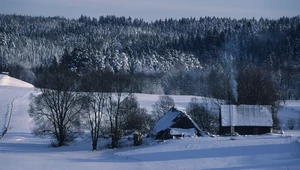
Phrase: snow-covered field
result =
(19, 149)
(290, 111)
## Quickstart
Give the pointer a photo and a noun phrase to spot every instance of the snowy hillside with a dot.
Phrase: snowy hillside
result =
(20, 150)
(12, 92)
(10, 81)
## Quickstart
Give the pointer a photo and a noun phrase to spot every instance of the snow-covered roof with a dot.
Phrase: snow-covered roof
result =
(246, 115)
(168, 120)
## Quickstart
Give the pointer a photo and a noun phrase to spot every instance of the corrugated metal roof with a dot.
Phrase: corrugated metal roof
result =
(246, 115)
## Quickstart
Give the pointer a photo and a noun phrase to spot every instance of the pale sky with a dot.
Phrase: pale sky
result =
(150, 10)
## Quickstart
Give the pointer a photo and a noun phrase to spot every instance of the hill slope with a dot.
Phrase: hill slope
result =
(12, 93)
(10, 81)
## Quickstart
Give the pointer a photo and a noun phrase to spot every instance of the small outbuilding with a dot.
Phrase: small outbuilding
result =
(176, 123)
(246, 119)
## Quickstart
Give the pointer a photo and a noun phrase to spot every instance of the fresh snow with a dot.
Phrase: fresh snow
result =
(20, 150)
(290, 111)
(11, 90)
(10, 81)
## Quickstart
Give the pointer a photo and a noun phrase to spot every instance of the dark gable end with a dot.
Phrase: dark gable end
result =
(182, 121)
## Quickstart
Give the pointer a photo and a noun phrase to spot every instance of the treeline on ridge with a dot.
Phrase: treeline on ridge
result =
(225, 58)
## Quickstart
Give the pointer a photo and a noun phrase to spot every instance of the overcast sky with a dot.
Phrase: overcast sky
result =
(151, 10)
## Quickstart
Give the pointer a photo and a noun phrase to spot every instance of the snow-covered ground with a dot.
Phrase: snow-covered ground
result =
(19, 149)
(290, 111)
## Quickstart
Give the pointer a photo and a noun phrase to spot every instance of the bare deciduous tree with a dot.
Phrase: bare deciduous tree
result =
(94, 115)
(161, 107)
(56, 112)
(119, 93)
(205, 118)
(96, 98)
(134, 117)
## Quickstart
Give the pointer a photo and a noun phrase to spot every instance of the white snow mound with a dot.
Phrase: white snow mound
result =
(9, 81)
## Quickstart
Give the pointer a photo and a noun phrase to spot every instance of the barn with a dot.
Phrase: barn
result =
(176, 123)
(246, 119)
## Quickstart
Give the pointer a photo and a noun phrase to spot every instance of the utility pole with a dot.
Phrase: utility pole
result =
(231, 107)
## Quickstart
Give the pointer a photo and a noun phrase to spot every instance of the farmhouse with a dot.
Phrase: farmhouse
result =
(246, 119)
(176, 123)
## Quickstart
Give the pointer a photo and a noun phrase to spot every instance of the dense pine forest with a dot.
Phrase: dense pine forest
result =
(255, 61)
